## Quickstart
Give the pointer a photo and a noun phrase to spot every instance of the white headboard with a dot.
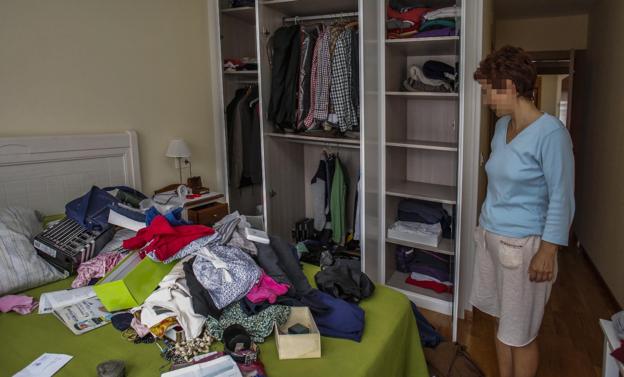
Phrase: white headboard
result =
(45, 172)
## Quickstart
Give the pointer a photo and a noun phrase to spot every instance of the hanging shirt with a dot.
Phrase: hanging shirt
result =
(323, 77)
(308, 121)
(530, 182)
(337, 204)
(308, 42)
(340, 91)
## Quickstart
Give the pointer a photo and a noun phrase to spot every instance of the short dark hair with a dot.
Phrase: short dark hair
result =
(509, 63)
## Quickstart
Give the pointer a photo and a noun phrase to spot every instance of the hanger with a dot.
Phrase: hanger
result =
(253, 102)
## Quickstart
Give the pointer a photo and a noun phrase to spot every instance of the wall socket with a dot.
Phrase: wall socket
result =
(185, 161)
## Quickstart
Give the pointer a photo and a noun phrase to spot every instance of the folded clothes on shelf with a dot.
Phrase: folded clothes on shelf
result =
(429, 284)
(242, 64)
(435, 265)
(446, 12)
(426, 234)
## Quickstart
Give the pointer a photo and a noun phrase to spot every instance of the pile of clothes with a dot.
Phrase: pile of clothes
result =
(433, 76)
(426, 223)
(417, 19)
(240, 64)
(220, 279)
(315, 77)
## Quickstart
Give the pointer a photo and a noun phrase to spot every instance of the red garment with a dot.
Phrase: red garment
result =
(435, 286)
(165, 240)
(619, 353)
(414, 15)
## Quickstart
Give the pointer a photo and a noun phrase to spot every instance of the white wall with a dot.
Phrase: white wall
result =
(543, 34)
(601, 172)
(548, 94)
(92, 66)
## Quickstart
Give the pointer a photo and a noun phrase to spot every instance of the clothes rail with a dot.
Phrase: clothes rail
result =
(321, 17)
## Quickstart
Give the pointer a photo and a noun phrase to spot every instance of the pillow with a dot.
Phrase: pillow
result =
(20, 266)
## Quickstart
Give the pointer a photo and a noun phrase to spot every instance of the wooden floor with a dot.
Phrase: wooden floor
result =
(570, 338)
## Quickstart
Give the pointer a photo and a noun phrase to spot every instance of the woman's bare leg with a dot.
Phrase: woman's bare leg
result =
(525, 360)
(504, 356)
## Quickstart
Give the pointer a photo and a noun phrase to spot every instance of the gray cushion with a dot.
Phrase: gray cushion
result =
(20, 266)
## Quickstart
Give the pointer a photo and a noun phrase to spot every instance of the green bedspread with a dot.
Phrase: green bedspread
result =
(390, 345)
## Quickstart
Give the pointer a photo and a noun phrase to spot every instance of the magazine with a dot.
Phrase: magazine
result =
(84, 316)
(50, 301)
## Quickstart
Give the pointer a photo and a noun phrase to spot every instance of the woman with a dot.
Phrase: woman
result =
(527, 212)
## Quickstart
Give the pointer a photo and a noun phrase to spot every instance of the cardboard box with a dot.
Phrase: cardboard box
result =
(130, 282)
(298, 346)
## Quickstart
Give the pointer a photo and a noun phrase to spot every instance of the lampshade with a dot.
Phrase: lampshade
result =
(178, 148)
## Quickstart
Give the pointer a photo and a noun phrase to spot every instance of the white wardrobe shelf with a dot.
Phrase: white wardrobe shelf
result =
(247, 14)
(422, 297)
(425, 46)
(240, 73)
(305, 8)
(431, 95)
(422, 144)
(305, 139)
(445, 246)
(423, 191)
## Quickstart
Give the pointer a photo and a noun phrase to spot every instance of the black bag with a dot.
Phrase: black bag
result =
(451, 360)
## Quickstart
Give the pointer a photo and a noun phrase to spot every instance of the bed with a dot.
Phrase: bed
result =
(45, 172)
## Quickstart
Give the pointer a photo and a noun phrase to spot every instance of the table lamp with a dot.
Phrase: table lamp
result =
(179, 149)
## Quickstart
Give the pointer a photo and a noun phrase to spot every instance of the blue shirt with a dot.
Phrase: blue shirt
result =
(530, 182)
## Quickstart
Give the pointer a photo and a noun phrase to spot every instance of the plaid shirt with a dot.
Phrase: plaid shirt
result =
(309, 119)
(323, 78)
(340, 92)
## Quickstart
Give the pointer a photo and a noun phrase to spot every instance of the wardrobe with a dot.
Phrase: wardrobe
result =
(409, 145)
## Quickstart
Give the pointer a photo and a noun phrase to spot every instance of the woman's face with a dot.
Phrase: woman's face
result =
(501, 101)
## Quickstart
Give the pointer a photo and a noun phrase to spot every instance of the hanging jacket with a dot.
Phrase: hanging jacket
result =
(235, 139)
(250, 139)
(284, 74)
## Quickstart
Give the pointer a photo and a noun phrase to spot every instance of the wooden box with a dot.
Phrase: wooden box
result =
(207, 214)
(298, 346)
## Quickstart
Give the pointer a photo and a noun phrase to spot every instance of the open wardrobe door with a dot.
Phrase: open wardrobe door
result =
(241, 105)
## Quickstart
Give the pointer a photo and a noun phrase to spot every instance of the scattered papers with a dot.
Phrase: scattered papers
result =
(45, 365)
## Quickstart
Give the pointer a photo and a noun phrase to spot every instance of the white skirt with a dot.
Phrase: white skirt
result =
(502, 288)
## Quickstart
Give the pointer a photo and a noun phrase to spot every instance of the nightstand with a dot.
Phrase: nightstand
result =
(206, 209)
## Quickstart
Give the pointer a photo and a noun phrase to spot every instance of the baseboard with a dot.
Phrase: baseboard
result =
(611, 296)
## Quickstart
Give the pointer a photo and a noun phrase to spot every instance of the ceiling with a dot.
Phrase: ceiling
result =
(539, 8)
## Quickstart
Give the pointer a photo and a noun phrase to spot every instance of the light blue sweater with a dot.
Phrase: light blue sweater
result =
(530, 182)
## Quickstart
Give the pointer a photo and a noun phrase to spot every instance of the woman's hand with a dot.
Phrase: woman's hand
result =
(542, 267)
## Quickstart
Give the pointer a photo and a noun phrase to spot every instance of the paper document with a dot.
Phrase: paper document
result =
(84, 316)
(56, 300)
(45, 365)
